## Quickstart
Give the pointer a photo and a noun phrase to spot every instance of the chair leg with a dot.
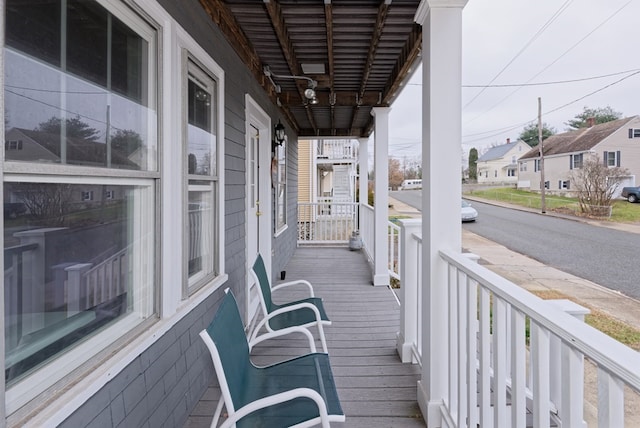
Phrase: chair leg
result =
(216, 415)
(322, 338)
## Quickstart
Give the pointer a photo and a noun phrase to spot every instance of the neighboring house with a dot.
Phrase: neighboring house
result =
(499, 165)
(615, 144)
(327, 170)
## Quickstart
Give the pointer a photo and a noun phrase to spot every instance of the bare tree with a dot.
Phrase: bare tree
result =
(50, 202)
(596, 184)
(395, 173)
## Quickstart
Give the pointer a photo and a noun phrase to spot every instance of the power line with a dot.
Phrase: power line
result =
(531, 40)
(554, 82)
(554, 61)
(497, 132)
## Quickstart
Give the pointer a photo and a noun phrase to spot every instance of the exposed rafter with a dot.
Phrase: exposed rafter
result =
(277, 20)
(359, 53)
(228, 24)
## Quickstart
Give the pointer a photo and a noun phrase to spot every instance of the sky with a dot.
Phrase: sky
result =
(560, 49)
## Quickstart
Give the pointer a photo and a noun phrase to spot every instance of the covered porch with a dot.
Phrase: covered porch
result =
(376, 389)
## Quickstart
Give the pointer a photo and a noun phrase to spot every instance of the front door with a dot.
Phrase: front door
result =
(259, 208)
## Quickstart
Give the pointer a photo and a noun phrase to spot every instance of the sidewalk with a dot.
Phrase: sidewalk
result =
(537, 277)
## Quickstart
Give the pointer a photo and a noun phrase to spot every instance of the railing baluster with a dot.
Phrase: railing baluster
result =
(463, 355)
(452, 289)
(499, 362)
(472, 350)
(485, 358)
(610, 400)
(540, 382)
(518, 369)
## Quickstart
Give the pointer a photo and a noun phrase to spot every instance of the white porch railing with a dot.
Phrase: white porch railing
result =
(326, 222)
(395, 248)
(367, 229)
(511, 352)
(337, 149)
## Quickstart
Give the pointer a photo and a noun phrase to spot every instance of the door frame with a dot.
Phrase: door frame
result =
(257, 118)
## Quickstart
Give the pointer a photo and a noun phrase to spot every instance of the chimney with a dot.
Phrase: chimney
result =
(508, 140)
(591, 121)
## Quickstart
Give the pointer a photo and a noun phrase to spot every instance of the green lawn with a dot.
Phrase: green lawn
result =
(622, 211)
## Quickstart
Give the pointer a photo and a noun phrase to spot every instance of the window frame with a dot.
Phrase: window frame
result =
(191, 64)
(74, 361)
(280, 187)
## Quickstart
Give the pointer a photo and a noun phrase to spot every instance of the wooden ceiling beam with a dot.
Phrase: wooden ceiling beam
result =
(277, 20)
(226, 21)
(383, 9)
(340, 99)
(328, 18)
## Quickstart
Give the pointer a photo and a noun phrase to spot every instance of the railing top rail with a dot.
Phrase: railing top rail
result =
(606, 352)
(20, 248)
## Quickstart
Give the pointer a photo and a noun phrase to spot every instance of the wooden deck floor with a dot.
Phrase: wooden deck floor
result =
(376, 390)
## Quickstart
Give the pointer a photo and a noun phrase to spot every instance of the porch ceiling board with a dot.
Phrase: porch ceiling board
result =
(367, 48)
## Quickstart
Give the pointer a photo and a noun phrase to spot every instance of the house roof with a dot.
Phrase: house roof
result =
(79, 151)
(579, 140)
(497, 152)
(359, 52)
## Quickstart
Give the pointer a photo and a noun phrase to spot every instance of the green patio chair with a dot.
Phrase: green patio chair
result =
(300, 392)
(307, 312)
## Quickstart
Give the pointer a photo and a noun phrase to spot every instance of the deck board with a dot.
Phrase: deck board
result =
(375, 388)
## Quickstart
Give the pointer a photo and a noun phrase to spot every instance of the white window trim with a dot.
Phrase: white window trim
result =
(280, 229)
(180, 41)
(23, 392)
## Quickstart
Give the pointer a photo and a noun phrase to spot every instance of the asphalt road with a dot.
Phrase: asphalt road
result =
(602, 255)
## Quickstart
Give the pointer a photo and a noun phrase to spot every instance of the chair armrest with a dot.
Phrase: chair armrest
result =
(277, 399)
(277, 333)
(290, 283)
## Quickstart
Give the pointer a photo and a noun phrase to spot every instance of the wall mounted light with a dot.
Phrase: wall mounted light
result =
(309, 93)
(278, 135)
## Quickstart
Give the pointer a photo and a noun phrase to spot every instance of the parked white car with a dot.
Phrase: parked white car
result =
(468, 212)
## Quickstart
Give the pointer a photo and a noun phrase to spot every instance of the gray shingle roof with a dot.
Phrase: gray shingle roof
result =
(579, 140)
(497, 152)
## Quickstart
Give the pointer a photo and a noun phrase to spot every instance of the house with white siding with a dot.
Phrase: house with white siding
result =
(615, 144)
(499, 165)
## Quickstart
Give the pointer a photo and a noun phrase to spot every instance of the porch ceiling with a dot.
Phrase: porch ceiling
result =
(364, 49)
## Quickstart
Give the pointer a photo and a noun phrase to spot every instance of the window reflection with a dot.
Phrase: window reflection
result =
(68, 266)
(85, 103)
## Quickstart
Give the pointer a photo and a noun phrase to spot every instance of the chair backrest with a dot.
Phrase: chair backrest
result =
(227, 333)
(263, 280)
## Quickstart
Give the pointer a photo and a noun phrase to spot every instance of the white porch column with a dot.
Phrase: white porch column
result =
(381, 196)
(363, 162)
(441, 22)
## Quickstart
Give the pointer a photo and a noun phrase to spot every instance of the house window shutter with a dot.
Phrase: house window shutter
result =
(559, 184)
(568, 184)
(630, 132)
(605, 158)
(570, 161)
(618, 158)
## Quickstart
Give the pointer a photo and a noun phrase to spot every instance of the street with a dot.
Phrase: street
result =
(602, 255)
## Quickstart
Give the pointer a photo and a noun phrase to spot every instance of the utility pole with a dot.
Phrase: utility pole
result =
(542, 185)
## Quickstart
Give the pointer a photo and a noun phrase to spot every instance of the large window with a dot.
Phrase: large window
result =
(201, 155)
(80, 187)
(280, 185)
